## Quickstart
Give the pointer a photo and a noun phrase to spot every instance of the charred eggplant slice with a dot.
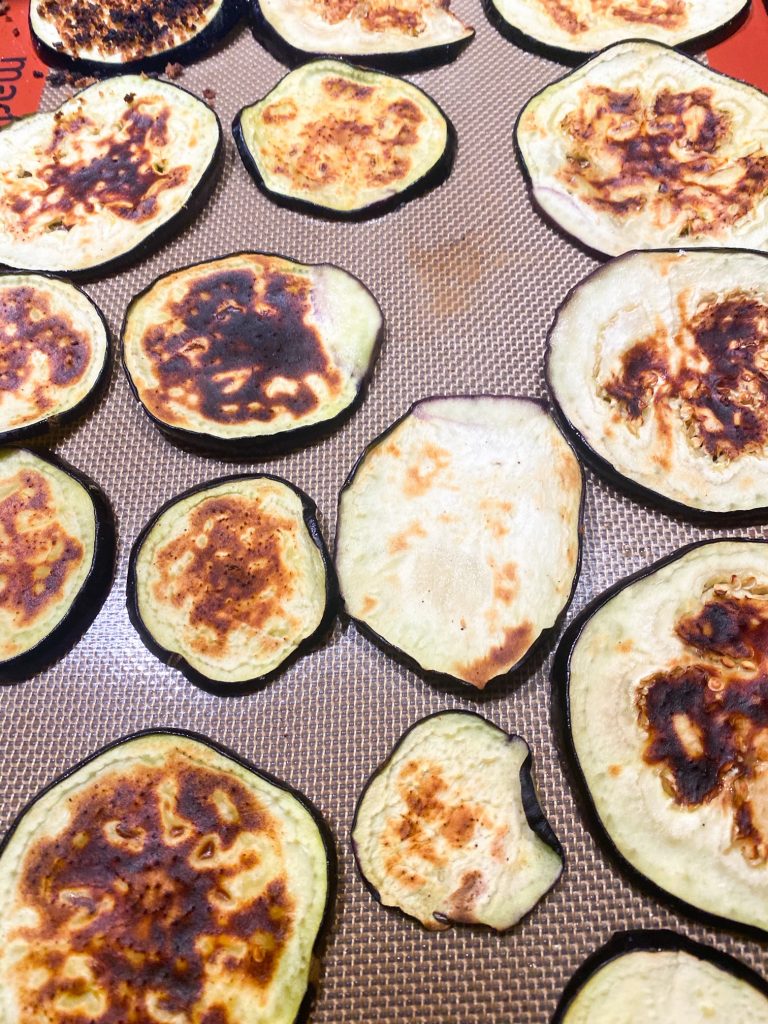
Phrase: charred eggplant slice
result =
(167, 860)
(459, 535)
(252, 352)
(643, 148)
(105, 178)
(57, 539)
(231, 580)
(343, 142)
(449, 828)
(661, 704)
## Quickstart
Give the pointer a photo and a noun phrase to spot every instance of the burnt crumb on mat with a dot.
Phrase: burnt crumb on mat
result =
(5, 7)
(209, 95)
(173, 71)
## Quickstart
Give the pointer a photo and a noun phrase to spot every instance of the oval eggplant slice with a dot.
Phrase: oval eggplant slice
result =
(107, 177)
(58, 555)
(166, 860)
(342, 142)
(662, 708)
(643, 147)
(231, 580)
(54, 353)
(251, 353)
(459, 535)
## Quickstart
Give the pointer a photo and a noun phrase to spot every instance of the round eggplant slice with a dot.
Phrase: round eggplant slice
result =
(459, 535)
(643, 147)
(449, 828)
(107, 177)
(252, 352)
(57, 540)
(166, 860)
(343, 142)
(231, 580)
(662, 707)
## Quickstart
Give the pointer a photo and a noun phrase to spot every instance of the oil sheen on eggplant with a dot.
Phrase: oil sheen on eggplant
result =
(449, 830)
(459, 533)
(645, 148)
(161, 880)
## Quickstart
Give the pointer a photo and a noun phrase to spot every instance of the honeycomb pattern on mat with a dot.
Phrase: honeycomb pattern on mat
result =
(468, 278)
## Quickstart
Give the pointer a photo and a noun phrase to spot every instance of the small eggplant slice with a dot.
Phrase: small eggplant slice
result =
(107, 177)
(231, 580)
(662, 708)
(343, 142)
(459, 535)
(251, 353)
(166, 860)
(449, 828)
(644, 148)
(57, 539)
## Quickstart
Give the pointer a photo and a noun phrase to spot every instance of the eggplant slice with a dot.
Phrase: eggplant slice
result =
(459, 535)
(58, 544)
(662, 709)
(643, 148)
(449, 828)
(251, 353)
(54, 354)
(105, 178)
(166, 860)
(232, 580)
(343, 142)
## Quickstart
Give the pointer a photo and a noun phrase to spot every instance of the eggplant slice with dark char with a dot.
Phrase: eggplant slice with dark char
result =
(459, 535)
(251, 353)
(344, 142)
(54, 354)
(165, 859)
(231, 581)
(645, 148)
(661, 705)
(57, 538)
(449, 828)
(107, 177)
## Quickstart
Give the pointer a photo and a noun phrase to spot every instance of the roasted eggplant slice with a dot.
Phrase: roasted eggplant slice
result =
(643, 147)
(662, 708)
(251, 352)
(459, 535)
(449, 828)
(107, 177)
(163, 879)
(342, 142)
(231, 580)
(57, 540)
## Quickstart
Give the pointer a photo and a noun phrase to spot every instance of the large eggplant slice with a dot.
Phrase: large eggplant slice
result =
(343, 142)
(231, 580)
(57, 539)
(449, 828)
(163, 879)
(643, 147)
(105, 178)
(251, 352)
(661, 703)
(459, 535)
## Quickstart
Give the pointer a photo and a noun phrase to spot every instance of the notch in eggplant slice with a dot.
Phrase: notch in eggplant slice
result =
(661, 708)
(231, 581)
(107, 177)
(251, 353)
(645, 148)
(459, 535)
(58, 541)
(343, 142)
(166, 859)
(449, 828)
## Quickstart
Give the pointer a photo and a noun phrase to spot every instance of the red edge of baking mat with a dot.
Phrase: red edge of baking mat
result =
(743, 54)
(20, 88)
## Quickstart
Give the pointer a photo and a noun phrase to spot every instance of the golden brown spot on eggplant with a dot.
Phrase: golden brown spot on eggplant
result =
(505, 583)
(517, 640)
(459, 825)
(464, 900)
(424, 469)
(625, 646)
(402, 541)
(615, 770)
(369, 603)
(499, 850)
(281, 112)
(405, 16)
(577, 16)
(343, 88)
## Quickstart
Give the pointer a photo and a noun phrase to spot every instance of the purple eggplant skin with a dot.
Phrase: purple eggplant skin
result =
(310, 643)
(92, 595)
(560, 713)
